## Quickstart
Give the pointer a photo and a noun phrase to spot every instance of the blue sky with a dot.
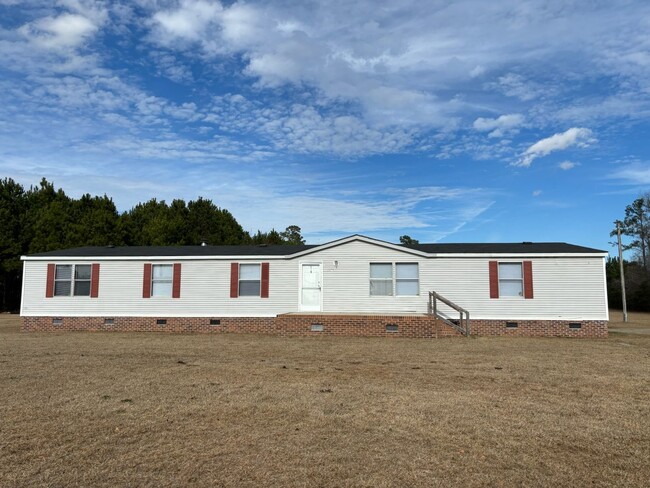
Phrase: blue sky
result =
(450, 121)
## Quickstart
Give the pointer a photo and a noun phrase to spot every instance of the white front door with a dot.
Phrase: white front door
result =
(311, 287)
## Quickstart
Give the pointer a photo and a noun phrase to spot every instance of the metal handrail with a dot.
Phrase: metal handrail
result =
(463, 326)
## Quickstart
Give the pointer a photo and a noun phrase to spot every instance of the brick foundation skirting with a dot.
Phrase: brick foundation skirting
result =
(592, 329)
(412, 326)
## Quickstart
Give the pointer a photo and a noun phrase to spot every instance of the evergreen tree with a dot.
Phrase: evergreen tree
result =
(12, 242)
(408, 240)
(292, 235)
(636, 224)
(207, 222)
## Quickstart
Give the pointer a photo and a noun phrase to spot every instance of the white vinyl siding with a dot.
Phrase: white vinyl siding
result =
(206, 292)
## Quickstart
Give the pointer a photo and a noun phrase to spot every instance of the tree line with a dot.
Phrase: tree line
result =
(42, 218)
(636, 226)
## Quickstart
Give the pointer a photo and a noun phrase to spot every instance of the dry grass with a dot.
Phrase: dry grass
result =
(154, 410)
(635, 320)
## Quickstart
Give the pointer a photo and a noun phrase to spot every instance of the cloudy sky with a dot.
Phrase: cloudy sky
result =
(451, 121)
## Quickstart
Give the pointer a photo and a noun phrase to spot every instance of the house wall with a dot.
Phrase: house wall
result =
(205, 291)
(565, 288)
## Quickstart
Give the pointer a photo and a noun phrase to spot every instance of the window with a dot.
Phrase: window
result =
(65, 285)
(406, 281)
(82, 280)
(161, 280)
(511, 282)
(381, 279)
(63, 280)
(249, 280)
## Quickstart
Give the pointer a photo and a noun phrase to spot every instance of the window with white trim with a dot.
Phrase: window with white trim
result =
(72, 279)
(400, 279)
(161, 280)
(249, 280)
(381, 279)
(511, 280)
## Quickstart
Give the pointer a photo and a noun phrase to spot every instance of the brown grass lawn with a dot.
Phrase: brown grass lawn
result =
(635, 320)
(156, 410)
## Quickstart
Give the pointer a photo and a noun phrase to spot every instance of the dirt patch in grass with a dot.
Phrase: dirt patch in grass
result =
(156, 410)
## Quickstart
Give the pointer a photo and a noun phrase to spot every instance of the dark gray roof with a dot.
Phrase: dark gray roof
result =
(505, 248)
(172, 251)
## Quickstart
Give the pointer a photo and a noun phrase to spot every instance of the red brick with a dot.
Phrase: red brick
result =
(413, 326)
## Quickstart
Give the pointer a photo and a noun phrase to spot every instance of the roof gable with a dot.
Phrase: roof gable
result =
(359, 238)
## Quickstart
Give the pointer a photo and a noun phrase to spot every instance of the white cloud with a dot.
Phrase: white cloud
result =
(567, 165)
(171, 67)
(305, 130)
(575, 136)
(514, 85)
(502, 125)
(634, 174)
(409, 66)
(331, 78)
(189, 21)
(301, 128)
(431, 210)
(537, 193)
(63, 32)
(477, 71)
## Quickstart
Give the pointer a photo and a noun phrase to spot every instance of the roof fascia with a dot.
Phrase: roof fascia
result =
(521, 255)
(249, 257)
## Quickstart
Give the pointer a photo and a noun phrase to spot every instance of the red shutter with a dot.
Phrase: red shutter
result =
(265, 281)
(176, 284)
(146, 281)
(49, 284)
(234, 280)
(528, 279)
(94, 280)
(494, 279)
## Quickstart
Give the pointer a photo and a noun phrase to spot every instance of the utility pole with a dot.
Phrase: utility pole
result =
(620, 262)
